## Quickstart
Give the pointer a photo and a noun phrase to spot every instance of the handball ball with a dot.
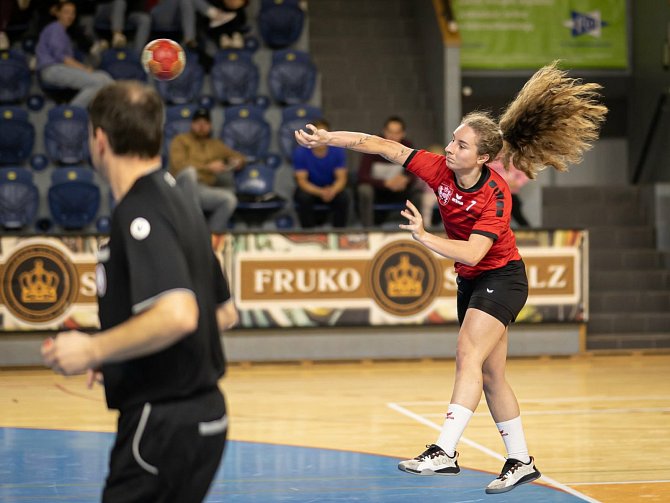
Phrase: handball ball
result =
(163, 58)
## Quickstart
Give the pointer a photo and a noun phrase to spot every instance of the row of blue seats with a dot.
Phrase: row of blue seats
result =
(66, 132)
(73, 197)
(234, 77)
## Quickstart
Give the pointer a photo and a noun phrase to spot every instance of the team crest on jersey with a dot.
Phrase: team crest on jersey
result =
(444, 194)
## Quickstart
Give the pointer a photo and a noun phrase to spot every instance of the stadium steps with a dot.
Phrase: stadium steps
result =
(629, 298)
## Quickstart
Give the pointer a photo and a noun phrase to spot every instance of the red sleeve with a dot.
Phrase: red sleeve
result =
(427, 166)
(496, 215)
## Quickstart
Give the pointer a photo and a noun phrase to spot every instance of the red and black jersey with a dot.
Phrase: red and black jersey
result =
(484, 209)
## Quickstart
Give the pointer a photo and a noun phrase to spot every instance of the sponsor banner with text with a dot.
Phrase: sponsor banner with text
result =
(302, 280)
(296, 280)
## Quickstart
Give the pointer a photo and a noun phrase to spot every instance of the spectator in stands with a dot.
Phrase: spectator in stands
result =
(515, 179)
(167, 14)
(321, 176)
(117, 12)
(383, 182)
(225, 21)
(7, 11)
(204, 166)
(56, 63)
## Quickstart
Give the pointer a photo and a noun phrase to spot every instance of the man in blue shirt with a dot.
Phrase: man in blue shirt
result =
(321, 177)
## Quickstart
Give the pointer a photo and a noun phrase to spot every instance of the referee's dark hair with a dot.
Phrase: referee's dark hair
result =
(132, 116)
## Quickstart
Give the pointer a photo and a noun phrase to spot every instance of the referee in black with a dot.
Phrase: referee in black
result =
(162, 302)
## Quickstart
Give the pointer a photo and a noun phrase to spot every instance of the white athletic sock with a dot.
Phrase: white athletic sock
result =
(457, 419)
(515, 441)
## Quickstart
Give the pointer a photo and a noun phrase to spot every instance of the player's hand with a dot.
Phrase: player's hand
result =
(93, 377)
(312, 138)
(415, 221)
(69, 353)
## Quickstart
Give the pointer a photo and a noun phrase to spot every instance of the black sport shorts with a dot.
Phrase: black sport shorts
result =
(501, 292)
(167, 452)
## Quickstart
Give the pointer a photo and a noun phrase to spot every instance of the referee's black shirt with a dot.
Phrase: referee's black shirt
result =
(160, 243)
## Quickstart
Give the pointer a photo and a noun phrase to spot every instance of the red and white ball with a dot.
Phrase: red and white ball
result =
(163, 58)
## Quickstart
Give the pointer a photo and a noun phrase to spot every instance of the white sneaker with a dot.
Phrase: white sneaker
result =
(513, 474)
(219, 17)
(225, 41)
(98, 47)
(237, 40)
(119, 40)
(433, 461)
(4, 41)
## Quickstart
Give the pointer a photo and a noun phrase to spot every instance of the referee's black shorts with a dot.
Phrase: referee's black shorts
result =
(501, 292)
(167, 452)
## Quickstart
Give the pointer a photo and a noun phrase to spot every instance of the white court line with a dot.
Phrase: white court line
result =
(572, 412)
(621, 482)
(575, 399)
(420, 419)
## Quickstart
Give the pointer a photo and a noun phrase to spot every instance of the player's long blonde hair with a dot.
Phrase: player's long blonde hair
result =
(551, 122)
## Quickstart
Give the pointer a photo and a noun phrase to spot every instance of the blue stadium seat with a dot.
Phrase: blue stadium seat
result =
(66, 135)
(292, 77)
(19, 198)
(293, 118)
(187, 87)
(246, 130)
(15, 77)
(74, 197)
(17, 136)
(177, 120)
(254, 187)
(122, 64)
(234, 77)
(280, 22)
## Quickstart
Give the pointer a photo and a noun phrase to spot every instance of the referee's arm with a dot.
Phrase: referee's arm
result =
(172, 317)
(226, 315)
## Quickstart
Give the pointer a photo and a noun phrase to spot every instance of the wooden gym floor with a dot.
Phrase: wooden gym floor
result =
(598, 425)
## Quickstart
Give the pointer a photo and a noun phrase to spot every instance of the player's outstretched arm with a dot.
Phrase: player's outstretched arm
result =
(392, 151)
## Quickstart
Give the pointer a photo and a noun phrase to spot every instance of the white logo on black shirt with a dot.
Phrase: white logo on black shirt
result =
(140, 228)
(101, 280)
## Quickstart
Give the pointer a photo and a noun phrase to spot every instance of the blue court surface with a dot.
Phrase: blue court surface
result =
(50, 465)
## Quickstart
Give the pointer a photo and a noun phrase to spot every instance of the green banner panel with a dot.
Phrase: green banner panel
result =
(528, 34)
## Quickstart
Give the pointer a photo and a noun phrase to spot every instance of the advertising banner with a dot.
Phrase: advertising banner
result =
(297, 280)
(307, 280)
(528, 34)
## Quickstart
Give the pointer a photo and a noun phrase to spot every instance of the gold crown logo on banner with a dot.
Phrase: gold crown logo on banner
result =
(39, 285)
(405, 279)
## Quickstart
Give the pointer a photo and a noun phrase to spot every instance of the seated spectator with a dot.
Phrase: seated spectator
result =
(7, 12)
(204, 167)
(56, 63)
(117, 12)
(383, 182)
(226, 20)
(321, 176)
(169, 13)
